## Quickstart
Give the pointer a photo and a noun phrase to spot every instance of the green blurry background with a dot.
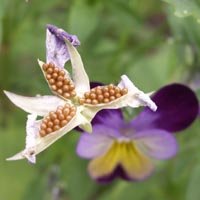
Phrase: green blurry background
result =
(151, 41)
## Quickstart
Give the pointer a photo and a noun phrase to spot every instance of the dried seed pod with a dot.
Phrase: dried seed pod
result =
(57, 119)
(103, 94)
(58, 81)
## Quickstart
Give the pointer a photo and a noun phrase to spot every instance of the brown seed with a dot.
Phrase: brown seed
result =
(112, 91)
(93, 90)
(71, 86)
(100, 97)
(124, 91)
(69, 117)
(63, 122)
(66, 81)
(60, 78)
(45, 66)
(61, 117)
(61, 72)
(51, 81)
(73, 113)
(50, 124)
(56, 127)
(45, 121)
(112, 98)
(65, 88)
(98, 91)
(49, 130)
(73, 93)
(56, 122)
(106, 100)
(94, 102)
(50, 70)
(56, 70)
(66, 111)
(87, 94)
(52, 115)
(111, 86)
(51, 64)
(81, 101)
(42, 133)
(118, 95)
(66, 95)
(106, 94)
(55, 75)
(47, 118)
(92, 95)
(59, 84)
(117, 90)
(105, 89)
(59, 91)
(88, 101)
(48, 76)
(43, 125)
(53, 87)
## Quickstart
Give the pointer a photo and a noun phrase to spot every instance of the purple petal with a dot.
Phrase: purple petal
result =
(96, 143)
(156, 143)
(56, 49)
(177, 109)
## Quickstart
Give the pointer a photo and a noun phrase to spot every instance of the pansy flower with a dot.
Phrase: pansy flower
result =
(127, 149)
(74, 103)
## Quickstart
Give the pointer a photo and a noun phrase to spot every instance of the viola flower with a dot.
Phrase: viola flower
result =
(74, 103)
(126, 149)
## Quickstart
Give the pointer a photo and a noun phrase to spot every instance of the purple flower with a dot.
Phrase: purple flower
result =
(56, 49)
(125, 149)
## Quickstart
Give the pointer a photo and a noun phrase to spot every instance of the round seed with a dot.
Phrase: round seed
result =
(55, 75)
(49, 130)
(106, 94)
(105, 89)
(56, 70)
(59, 91)
(111, 86)
(88, 101)
(61, 72)
(43, 125)
(87, 94)
(94, 102)
(92, 95)
(60, 78)
(117, 89)
(48, 76)
(51, 81)
(66, 95)
(71, 87)
(100, 97)
(112, 98)
(98, 91)
(45, 66)
(59, 84)
(63, 122)
(56, 122)
(82, 101)
(53, 87)
(124, 91)
(52, 115)
(50, 70)
(56, 127)
(73, 113)
(69, 117)
(50, 124)
(118, 95)
(65, 88)
(42, 133)
(106, 100)
(73, 93)
(112, 92)
(61, 117)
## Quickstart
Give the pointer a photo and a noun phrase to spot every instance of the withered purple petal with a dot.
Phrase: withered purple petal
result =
(177, 109)
(56, 49)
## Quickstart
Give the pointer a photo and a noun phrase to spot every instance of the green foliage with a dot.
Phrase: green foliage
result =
(184, 8)
(143, 39)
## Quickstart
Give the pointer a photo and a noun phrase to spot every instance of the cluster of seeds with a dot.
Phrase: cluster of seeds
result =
(58, 82)
(103, 94)
(56, 120)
